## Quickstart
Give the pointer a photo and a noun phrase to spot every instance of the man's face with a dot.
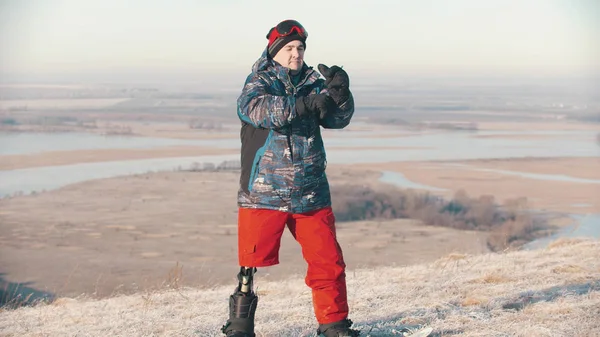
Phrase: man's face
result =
(291, 56)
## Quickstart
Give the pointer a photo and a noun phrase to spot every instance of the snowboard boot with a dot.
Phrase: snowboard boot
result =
(337, 329)
(242, 306)
(241, 315)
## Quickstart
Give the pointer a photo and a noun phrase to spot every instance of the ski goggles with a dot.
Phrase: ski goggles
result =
(285, 28)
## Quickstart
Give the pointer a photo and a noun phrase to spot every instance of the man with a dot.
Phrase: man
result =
(282, 106)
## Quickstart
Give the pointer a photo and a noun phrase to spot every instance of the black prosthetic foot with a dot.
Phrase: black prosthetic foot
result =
(241, 315)
(242, 307)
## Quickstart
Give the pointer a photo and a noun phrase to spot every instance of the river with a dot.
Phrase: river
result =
(353, 147)
(350, 147)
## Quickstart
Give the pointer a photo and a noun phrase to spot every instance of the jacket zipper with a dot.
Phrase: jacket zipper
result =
(294, 91)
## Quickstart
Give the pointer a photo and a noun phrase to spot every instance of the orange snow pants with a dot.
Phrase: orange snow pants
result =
(259, 239)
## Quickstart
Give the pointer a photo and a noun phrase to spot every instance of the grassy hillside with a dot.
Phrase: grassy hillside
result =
(548, 292)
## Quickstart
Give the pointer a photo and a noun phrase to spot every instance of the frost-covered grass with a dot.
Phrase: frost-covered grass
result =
(548, 292)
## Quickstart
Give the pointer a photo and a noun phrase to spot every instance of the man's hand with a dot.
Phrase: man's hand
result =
(337, 82)
(318, 104)
(335, 77)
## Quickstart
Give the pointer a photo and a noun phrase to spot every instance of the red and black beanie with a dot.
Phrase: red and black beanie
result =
(282, 34)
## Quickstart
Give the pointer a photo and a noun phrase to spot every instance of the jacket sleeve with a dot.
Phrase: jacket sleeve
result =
(262, 109)
(340, 118)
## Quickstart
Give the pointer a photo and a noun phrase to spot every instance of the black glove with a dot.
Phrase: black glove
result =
(335, 77)
(337, 82)
(318, 104)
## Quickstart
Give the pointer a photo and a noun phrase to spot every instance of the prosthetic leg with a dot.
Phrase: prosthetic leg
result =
(242, 306)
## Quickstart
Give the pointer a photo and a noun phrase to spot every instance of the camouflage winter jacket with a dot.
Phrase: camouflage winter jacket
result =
(282, 154)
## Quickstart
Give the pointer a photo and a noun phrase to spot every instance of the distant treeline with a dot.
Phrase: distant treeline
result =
(227, 165)
(198, 123)
(511, 225)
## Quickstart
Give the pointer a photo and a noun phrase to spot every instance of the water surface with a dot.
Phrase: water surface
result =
(585, 226)
(414, 147)
(399, 180)
(53, 177)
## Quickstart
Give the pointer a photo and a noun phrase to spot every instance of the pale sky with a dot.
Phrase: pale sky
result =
(45, 36)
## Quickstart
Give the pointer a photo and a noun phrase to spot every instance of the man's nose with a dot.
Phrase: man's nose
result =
(295, 53)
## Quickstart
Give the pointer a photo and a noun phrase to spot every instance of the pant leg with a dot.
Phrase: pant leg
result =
(315, 232)
(259, 236)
